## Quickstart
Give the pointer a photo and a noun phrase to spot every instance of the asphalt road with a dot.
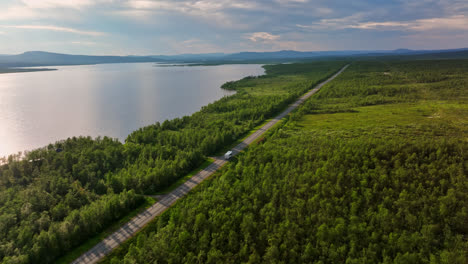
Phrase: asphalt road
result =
(138, 222)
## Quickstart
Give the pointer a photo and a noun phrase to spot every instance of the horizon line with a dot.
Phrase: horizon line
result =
(224, 53)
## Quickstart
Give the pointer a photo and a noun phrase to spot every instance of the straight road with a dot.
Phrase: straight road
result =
(138, 222)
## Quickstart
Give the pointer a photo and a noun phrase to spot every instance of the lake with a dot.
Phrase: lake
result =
(38, 108)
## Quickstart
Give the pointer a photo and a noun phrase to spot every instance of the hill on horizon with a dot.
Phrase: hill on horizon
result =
(42, 58)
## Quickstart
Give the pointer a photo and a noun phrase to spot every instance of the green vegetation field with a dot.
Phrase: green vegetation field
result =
(58, 197)
(372, 169)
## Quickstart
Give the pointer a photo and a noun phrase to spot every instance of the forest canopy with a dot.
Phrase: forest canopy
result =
(372, 169)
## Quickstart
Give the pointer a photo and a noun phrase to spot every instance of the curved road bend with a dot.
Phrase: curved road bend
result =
(138, 222)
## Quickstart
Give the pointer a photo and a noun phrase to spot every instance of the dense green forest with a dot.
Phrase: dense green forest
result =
(57, 197)
(372, 169)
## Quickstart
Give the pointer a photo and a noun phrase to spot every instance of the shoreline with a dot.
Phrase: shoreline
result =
(18, 70)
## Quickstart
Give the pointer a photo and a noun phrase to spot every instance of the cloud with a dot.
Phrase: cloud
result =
(75, 4)
(323, 10)
(459, 22)
(456, 22)
(194, 46)
(441, 37)
(161, 26)
(295, 45)
(191, 6)
(447, 7)
(264, 41)
(85, 43)
(423, 40)
(334, 23)
(17, 12)
(381, 25)
(46, 9)
(286, 2)
(56, 28)
(217, 13)
(261, 36)
(154, 5)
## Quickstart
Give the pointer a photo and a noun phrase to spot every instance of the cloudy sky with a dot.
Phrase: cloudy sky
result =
(139, 27)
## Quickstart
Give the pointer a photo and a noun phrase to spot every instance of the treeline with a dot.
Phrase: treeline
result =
(54, 198)
(52, 201)
(43, 240)
(395, 193)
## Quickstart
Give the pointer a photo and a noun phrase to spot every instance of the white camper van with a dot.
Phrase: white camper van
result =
(228, 155)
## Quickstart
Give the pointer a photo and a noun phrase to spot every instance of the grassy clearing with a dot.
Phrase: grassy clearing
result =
(418, 98)
(405, 119)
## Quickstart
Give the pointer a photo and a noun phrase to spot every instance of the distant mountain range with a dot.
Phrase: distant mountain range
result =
(40, 58)
(291, 54)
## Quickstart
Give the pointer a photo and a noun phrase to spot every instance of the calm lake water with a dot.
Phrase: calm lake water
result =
(38, 108)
